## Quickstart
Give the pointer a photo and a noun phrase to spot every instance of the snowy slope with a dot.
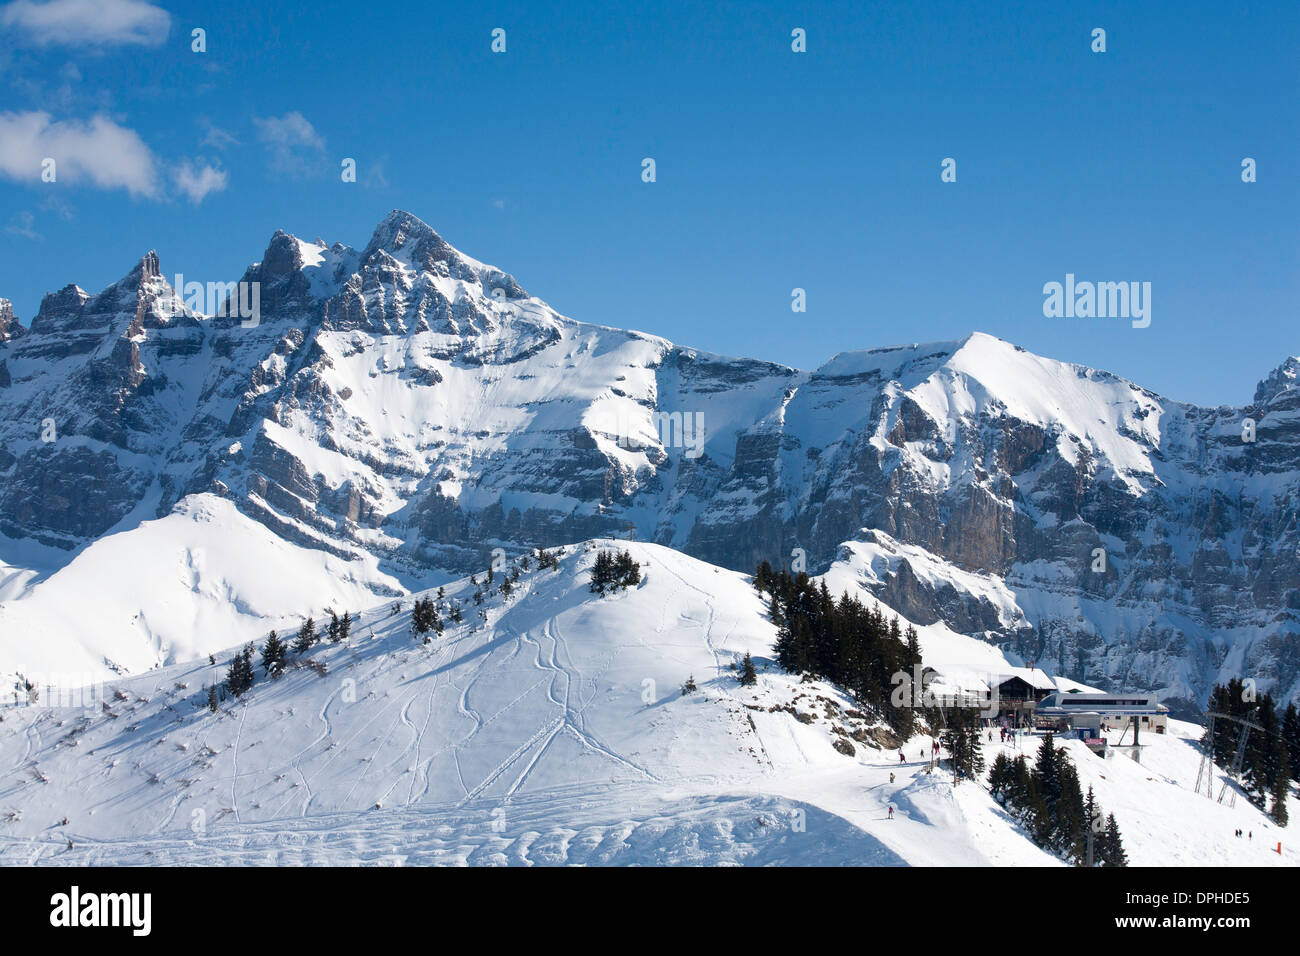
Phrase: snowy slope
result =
(552, 732)
(175, 588)
(400, 411)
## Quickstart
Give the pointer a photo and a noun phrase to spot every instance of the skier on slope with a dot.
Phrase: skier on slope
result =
(891, 813)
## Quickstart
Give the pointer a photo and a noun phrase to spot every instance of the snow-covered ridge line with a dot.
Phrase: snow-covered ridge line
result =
(406, 409)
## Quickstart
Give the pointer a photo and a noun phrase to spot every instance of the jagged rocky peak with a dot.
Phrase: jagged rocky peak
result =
(9, 326)
(283, 257)
(56, 305)
(400, 230)
(413, 242)
(147, 268)
(142, 298)
(1284, 378)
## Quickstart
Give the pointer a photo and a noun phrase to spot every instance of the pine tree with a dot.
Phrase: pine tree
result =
(332, 628)
(913, 643)
(1047, 772)
(240, 676)
(689, 687)
(1281, 786)
(345, 626)
(306, 637)
(423, 616)
(212, 698)
(973, 767)
(1291, 737)
(1071, 816)
(748, 676)
(1096, 823)
(626, 571)
(1113, 847)
(273, 656)
(602, 572)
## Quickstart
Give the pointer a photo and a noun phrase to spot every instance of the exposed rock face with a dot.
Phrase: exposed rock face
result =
(90, 404)
(9, 327)
(411, 403)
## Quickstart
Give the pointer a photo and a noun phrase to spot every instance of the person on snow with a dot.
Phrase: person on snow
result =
(891, 815)
(891, 778)
(900, 756)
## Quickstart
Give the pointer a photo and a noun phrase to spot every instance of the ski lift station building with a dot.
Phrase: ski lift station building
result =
(1115, 710)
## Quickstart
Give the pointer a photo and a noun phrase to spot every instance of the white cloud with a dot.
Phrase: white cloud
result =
(98, 151)
(289, 137)
(215, 136)
(198, 182)
(93, 22)
(57, 206)
(374, 176)
(21, 225)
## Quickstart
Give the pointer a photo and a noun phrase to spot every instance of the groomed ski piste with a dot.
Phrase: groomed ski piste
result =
(554, 732)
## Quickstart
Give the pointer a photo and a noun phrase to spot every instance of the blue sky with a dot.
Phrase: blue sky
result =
(775, 169)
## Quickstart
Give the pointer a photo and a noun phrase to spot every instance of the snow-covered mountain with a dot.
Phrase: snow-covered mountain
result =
(171, 482)
(551, 729)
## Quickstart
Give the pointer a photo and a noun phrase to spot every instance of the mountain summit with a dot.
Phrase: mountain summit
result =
(399, 414)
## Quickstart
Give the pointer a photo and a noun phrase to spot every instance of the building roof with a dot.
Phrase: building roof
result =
(1074, 687)
(1034, 677)
(947, 681)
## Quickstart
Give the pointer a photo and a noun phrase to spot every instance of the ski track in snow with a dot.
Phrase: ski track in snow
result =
(537, 747)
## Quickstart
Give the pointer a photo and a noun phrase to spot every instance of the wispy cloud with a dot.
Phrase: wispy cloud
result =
(57, 206)
(98, 151)
(375, 176)
(21, 225)
(198, 181)
(88, 22)
(294, 143)
(215, 136)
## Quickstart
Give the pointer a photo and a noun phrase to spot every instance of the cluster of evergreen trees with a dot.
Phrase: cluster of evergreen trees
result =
(240, 677)
(339, 628)
(275, 657)
(1272, 758)
(841, 641)
(425, 618)
(427, 615)
(962, 738)
(614, 571)
(1049, 801)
